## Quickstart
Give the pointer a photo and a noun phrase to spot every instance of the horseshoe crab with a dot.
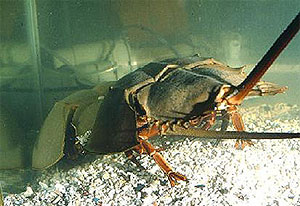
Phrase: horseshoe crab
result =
(182, 97)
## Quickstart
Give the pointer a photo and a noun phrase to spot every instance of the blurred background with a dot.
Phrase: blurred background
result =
(50, 49)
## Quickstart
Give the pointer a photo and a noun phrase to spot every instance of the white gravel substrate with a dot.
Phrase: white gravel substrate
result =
(267, 173)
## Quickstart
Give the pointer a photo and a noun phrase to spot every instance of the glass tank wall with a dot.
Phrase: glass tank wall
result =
(50, 49)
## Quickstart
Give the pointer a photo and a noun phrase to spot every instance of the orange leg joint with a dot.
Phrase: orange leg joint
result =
(238, 124)
(145, 147)
(161, 162)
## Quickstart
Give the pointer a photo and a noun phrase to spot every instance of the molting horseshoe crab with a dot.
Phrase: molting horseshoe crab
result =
(173, 97)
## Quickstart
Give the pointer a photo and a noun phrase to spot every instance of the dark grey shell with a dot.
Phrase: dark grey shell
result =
(165, 90)
(180, 95)
(168, 90)
(115, 125)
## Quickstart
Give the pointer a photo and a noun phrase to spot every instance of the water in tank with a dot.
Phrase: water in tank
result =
(52, 49)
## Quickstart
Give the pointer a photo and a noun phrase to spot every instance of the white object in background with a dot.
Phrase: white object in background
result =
(95, 62)
(232, 47)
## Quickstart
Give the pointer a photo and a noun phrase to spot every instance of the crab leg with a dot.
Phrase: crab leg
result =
(161, 162)
(238, 124)
(210, 121)
(146, 132)
(263, 65)
(144, 146)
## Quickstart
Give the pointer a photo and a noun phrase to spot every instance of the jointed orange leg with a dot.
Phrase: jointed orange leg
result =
(158, 158)
(209, 120)
(238, 124)
(146, 147)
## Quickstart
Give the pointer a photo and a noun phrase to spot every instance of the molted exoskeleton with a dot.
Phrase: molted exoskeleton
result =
(182, 97)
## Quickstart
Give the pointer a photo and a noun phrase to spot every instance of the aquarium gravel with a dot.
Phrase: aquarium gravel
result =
(267, 173)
